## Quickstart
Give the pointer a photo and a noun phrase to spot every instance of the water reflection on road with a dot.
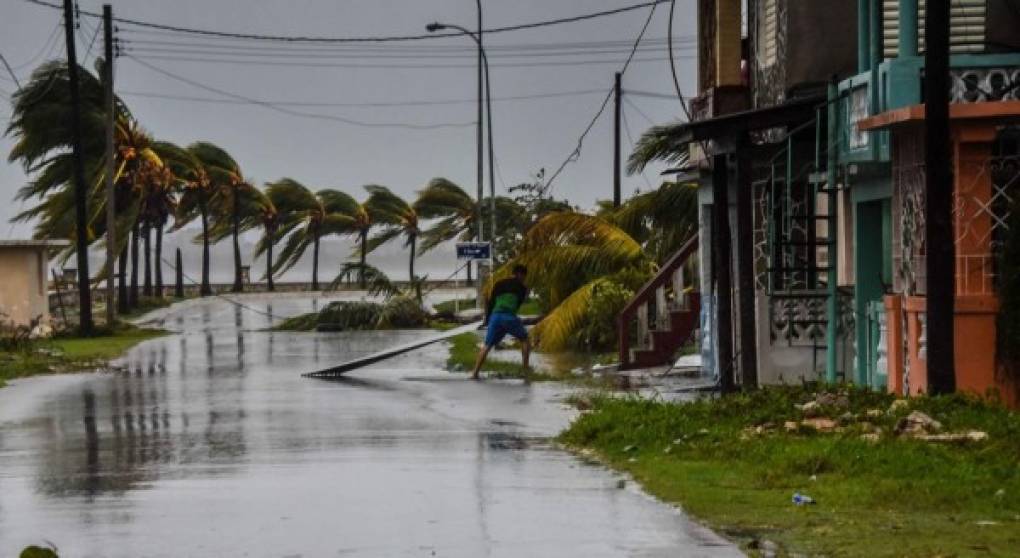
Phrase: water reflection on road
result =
(209, 443)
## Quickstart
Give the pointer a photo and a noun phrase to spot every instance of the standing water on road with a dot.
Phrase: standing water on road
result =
(209, 442)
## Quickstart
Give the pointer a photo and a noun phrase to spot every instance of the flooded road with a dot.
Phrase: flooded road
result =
(209, 443)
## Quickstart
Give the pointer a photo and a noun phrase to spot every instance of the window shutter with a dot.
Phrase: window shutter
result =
(966, 26)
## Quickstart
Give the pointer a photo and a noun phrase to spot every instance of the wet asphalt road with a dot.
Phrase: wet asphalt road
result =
(209, 443)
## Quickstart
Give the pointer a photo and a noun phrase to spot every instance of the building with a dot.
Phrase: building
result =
(24, 271)
(806, 143)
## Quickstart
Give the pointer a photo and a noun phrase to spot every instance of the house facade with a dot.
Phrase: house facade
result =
(806, 141)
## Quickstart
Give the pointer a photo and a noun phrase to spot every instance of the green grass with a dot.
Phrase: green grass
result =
(70, 354)
(529, 308)
(894, 497)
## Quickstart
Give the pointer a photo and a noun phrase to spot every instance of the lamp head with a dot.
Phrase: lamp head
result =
(433, 27)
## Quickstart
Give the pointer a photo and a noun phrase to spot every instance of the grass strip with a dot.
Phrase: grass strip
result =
(731, 463)
(63, 354)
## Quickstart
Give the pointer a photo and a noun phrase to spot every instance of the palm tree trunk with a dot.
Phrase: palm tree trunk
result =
(364, 258)
(315, 263)
(414, 246)
(269, 258)
(238, 284)
(159, 259)
(205, 289)
(133, 294)
(147, 238)
(122, 289)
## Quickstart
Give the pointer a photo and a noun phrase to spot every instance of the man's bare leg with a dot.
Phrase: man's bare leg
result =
(525, 354)
(481, 360)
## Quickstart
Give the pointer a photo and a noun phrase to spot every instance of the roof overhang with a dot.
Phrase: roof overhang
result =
(791, 113)
(34, 244)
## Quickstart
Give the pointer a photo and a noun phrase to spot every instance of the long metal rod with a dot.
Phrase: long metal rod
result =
(80, 209)
(111, 210)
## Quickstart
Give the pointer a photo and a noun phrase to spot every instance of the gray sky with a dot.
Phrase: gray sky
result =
(529, 134)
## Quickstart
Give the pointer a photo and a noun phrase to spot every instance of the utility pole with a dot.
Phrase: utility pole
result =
(492, 159)
(111, 210)
(481, 136)
(721, 254)
(745, 266)
(80, 212)
(618, 94)
(941, 256)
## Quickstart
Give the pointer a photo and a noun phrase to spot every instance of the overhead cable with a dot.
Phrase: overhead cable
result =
(351, 65)
(437, 102)
(364, 39)
(291, 112)
(576, 153)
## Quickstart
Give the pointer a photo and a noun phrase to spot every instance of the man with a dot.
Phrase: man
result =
(501, 315)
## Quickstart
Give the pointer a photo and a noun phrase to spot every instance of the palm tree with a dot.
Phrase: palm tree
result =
(260, 210)
(193, 202)
(456, 210)
(305, 218)
(663, 220)
(568, 256)
(228, 187)
(40, 123)
(397, 218)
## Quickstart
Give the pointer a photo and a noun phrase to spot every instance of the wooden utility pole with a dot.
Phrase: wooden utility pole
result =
(111, 210)
(617, 170)
(939, 239)
(721, 254)
(80, 210)
(745, 266)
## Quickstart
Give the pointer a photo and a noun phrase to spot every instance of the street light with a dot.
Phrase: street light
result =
(432, 28)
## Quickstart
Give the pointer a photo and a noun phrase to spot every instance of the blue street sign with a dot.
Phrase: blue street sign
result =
(473, 250)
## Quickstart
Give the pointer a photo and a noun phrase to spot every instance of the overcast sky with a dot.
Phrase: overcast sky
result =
(321, 152)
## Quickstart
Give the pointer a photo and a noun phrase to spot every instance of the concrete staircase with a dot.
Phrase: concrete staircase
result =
(663, 315)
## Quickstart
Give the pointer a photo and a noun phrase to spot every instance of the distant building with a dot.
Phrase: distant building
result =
(24, 265)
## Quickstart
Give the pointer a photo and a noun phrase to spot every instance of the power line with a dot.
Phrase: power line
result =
(46, 49)
(375, 66)
(437, 102)
(650, 94)
(292, 112)
(639, 111)
(387, 47)
(630, 138)
(367, 39)
(10, 71)
(576, 154)
(139, 47)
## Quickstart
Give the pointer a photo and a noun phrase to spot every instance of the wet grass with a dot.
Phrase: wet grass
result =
(68, 353)
(893, 497)
(464, 350)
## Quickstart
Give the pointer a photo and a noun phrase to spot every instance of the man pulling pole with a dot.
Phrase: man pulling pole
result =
(501, 316)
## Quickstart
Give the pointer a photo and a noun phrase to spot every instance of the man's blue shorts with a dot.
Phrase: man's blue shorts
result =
(501, 324)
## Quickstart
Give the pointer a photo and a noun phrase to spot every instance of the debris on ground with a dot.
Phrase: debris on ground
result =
(916, 424)
(802, 499)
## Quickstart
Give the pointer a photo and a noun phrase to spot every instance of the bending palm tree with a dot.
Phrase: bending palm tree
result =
(306, 217)
(568, 256)
(228, 188)
(193, 203)
(397, 217)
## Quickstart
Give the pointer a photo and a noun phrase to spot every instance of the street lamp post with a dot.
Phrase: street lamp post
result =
(432, 28)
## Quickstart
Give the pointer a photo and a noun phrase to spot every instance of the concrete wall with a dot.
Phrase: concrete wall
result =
(23, 284)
